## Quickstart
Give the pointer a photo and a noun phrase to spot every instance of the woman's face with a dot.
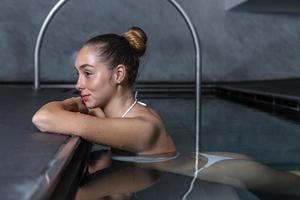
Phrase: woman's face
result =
(95, 80)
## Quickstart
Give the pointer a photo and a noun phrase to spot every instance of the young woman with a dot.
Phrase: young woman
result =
(107, 111)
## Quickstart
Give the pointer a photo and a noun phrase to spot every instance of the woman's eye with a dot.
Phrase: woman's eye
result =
(87, 73)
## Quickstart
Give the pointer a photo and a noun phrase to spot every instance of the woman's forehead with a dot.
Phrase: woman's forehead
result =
(86, 57)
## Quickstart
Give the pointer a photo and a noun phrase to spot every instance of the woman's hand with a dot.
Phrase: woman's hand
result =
(97, 112)
(75, 104)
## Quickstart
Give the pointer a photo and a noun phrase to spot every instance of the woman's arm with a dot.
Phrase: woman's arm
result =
(42, 115)
(133, 134)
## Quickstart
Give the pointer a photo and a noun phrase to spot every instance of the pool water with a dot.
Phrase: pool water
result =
(226, 127)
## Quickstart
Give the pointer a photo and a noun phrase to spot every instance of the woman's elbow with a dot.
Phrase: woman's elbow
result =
(40, 119)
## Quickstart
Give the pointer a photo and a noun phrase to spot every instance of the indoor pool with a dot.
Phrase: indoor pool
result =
(225, 127)
(53, 166)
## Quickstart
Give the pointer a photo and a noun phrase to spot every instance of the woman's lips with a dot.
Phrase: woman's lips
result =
(85, 98)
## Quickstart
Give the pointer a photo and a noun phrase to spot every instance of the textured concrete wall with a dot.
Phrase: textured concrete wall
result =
(236, 45)
(267, 6)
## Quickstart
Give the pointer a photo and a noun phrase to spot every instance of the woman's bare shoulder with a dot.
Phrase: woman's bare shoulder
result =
(163, 142)
(148, 113)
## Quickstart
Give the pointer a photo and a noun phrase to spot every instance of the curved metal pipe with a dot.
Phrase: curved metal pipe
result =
(198, 69)
(39, 40)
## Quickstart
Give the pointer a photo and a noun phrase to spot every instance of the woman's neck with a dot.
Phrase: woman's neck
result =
(119, 103)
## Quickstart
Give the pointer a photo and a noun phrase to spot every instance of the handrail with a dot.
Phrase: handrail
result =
(39, 40)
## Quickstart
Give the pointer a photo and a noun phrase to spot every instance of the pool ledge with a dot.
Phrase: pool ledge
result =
(47, 183)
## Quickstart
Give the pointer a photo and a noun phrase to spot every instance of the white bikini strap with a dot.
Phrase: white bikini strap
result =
(142, 103)
(136, 101)
(129, 108)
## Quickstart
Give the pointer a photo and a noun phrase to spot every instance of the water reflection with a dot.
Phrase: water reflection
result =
(110, 179)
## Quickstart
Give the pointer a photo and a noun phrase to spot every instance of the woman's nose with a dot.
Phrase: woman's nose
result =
(79, 85)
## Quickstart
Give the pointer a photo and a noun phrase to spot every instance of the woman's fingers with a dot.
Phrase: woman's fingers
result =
(97, 112)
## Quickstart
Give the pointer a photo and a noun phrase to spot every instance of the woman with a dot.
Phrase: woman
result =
(107, 66)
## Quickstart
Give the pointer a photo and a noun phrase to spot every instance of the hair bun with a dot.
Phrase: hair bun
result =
(137, 38)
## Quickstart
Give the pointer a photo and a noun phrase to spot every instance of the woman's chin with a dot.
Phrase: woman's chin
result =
(90, 105)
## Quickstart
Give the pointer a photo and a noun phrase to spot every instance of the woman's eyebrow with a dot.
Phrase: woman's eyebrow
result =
(84, 66)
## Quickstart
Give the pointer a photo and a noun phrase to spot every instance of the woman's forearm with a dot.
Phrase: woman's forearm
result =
(43, 117)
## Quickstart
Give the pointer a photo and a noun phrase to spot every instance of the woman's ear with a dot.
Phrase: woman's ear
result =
(120, 73)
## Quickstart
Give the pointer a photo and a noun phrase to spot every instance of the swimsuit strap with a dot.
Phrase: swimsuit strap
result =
(132, 105)
(139, 102)
(129, 108)
(212, 159)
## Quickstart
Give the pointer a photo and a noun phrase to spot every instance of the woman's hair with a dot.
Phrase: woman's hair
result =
(123, 49)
